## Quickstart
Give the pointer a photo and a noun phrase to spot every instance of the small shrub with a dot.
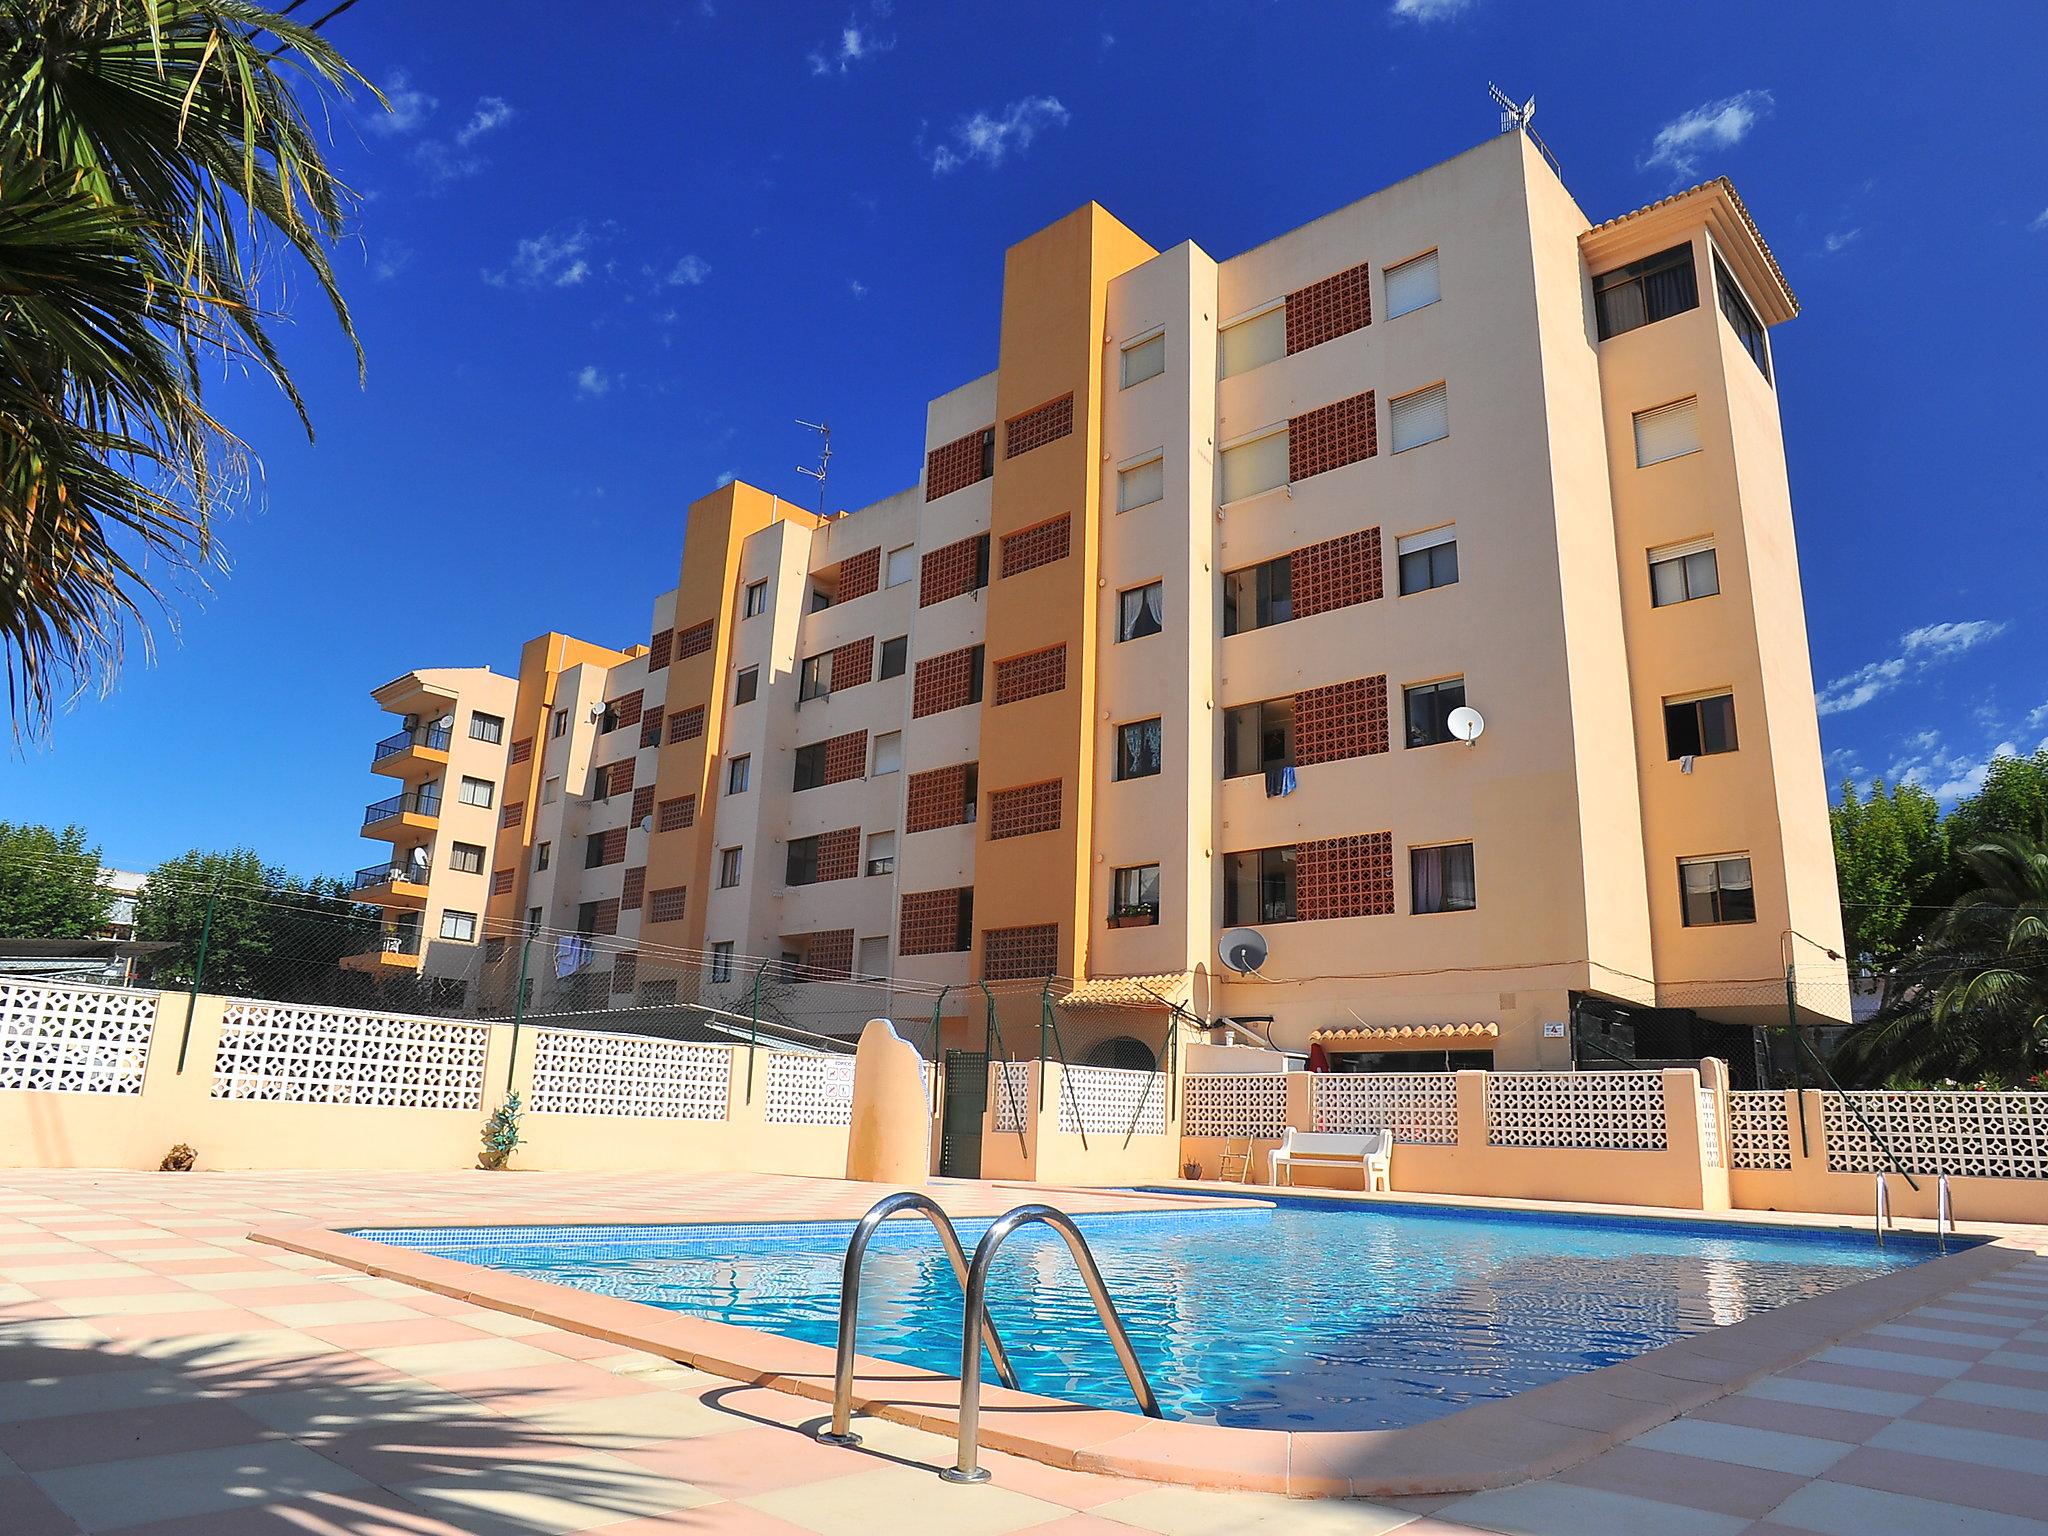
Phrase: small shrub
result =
(1191, 1169)
(501, 1134)
(178, 1160)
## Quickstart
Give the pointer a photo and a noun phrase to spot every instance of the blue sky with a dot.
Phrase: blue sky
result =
(597, 268)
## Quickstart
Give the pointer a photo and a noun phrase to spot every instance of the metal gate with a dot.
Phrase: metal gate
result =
(966, 1101)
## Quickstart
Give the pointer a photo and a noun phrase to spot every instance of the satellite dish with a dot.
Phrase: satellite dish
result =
(646, 823)
(1243, 950)
(1465, 723)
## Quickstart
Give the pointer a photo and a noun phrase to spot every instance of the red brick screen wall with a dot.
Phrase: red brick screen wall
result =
(1344, 877)
(659, 649)
(627, 710)
(1029, 675)
(501, 882)
(635, 889)
(522, 751)
(956, 465)
(1047, 423)
(947, 571)
(829, 956)
(625, 973)
(853, 664)
(643, 804)
(1022, 811)
(618, 778)
(1341, 720)
(514, 811)
(930, 923)
(607, 919)
(650, 727)
(846, 757)
(1338, 573)
(694, 641)
(943, 682)
(1326, 310)
(838, 854)
(666, 906)
(937, 798)
(1342, 432)
(1038, 546)
(859, 575)
(674, 815)
(1010, 954)
(686, 724)
(614, 847)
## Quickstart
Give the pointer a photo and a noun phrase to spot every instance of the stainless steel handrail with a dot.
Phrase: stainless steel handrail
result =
(967, 1467)
(840, 1432)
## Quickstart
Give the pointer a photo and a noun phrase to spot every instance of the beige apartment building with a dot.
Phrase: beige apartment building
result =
(1184, 629)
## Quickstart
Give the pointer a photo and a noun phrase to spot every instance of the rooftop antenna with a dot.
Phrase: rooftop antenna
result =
(824, 431)
(1515, 117)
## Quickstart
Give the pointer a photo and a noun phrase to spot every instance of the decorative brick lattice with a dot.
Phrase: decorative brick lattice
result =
(846, 757)
(1338, 573)
(694, 641)
(64, 1039)
(839, 854)
(686, 724)
(1111, 1101)
(1759, 1130)
(659, 649)
(618, 778)
(522, 752)
(1330, 436)
(1226, 1104)
(1613, 1111)
(1011, 954)
(628, 1077)
(1025, 810)
(853, 664)
(1010, 1092)
(828, 956)
(633, 892)
(944, 682)
(666, 905)
(605, 918)
(1344, 877)
(936, 798)
(1028, 550)
(1710, 1130)
(625, 975)
(650, 727)
(501, 882)
(948, 571)
(1043, 424)
(804, 1089)
(1340, 720)
(930, 923)
(627, 710)
(643, 804)
(956, 465)
(611, 847)
(1032, 674)
(674, 815)
(1975, 1135)
(1326, 310)
(512, 814)
(286, 1053)
(1420, 1108)
(859, 574)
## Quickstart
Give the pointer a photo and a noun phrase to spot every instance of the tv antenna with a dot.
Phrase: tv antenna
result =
(824, 431)
(1515, 118)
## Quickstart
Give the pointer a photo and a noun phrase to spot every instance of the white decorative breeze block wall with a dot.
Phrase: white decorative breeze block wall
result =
(1710, 1130)
(1109, 1100)
(1227, 1104)
(289, 1053)
(1759, 1130)
(809, 1090)
(1977, 1135)
(637, 1077)
(1420, 1108)
(66, 1039)
(1612, 1111)
(1010, 1089)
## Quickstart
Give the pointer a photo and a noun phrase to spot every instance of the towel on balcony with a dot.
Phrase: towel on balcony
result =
(1280, 781)
(572, 953)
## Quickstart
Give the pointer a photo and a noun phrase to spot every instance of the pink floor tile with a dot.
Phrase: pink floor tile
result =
(1862, 1376)
(1944, 1481)
(1997, 1419)
(38, 1445)
(535, 1386)
(25, 1512)
(421, 1330)
(367, 1512)
(749, 1461)
(111, 1285)
(1794, 1418)
(1692, 1482)
(727, 1520)
(172, 1325)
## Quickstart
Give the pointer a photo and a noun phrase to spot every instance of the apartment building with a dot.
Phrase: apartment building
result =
(1172, 637)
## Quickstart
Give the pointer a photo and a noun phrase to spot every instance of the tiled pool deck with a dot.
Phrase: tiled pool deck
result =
(161, 1373)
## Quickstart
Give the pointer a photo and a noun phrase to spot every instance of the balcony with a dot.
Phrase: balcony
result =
(391, 884)
(413, 810)
(421, 749)
(398, 951)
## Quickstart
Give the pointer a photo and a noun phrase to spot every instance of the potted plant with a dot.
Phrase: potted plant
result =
(501, 1135)
(1134, 917)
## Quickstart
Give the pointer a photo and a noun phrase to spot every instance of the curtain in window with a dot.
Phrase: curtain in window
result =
(1155, 611)
(1460, 893)
(1426, 873)
(1141, 749)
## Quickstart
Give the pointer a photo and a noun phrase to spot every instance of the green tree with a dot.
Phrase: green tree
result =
(2013, 798)
(1890, 851)
(49, 884)
(172, 908)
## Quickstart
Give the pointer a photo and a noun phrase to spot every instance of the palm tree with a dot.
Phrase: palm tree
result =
(156, 161)
(1971, 1000)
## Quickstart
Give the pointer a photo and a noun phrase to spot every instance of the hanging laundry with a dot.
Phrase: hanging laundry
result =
(572, 953)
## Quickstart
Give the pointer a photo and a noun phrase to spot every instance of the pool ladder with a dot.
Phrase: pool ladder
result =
(973, 1279)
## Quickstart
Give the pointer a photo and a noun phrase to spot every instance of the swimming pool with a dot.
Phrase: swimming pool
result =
(1305, 1314)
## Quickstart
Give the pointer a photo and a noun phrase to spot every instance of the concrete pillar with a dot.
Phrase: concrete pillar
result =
(889, 1140)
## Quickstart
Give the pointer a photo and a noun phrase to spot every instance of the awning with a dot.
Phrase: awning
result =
(1170, 991)
(1405, 1037)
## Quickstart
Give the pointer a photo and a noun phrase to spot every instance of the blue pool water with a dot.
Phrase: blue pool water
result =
(1305, 1314)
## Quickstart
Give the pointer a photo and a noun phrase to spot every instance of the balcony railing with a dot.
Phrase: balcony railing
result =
(434, 737)
(424, 801)
(388, 872)
(400, 941)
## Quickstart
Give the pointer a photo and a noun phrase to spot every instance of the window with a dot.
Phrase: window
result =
(1412, 286)
(593, 851)
(1252, 343)
(1258, 595)
(746, 686)
(1139, 611)
(489, 728)
(1699, 727)
(1144, 359)
(533, 917)
(1440, 879)
(980, 562)
(1428, 707)
(1716, 890)
(460, 926)
(477, 792)
(1141, 484)
(1655, 288)
(1667, 432)
(1258, 738)
(1429, 560)
(970, 796)
(889, 752)
(902, 566)
(821, 597)
(541, 855)
(561, 723)
(895, 656)
(728, 868)
(550, 791)
(810, 766)
(1418, 418)
(609, 722)
(721, 960)
(1736, 311)
(881, 853)
(874, 958)
(737, 773)
(1256, 466)
(467, 857)
(1134, 897)
(801, 867)
(1258, 887)
(1681, 572)
(815, 680)
(1137, 749)
(756, 600)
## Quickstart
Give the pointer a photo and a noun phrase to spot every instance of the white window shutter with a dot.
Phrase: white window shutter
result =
(1667, 432)
(1256, 466)
(1420, 418)
(1252, 343)
(1144, 361)
(1140, 485)
(1412, 286)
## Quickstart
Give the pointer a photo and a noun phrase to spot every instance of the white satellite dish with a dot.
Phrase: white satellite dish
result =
(1243, 950)
(1465, 723)
(646, 823)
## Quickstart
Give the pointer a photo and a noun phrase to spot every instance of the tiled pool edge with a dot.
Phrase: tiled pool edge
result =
(1489, 1445)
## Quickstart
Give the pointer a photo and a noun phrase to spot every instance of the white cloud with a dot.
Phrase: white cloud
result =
(1426, 11)
(2040, 221)
(856, 287)
(1841, 240)
(1710, 126)
(856, 42)
(592, 380)
(725, 478)
(1947, 775)
(392, 258)
(688, 272)
(551, 259)
(408, 106)
(491, 112)
(1950, 639)
(989, 138)
(2037, 717)
(1918, 649)
(443, 163)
